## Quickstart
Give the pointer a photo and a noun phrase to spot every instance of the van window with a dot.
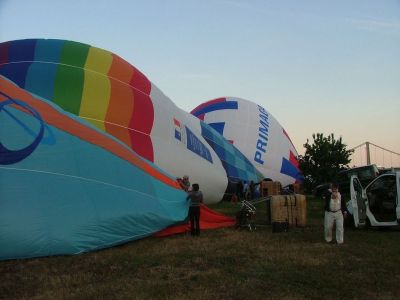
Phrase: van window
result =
(365, 174)
(382, 198)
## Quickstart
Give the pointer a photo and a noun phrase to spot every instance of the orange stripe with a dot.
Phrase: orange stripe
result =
(120, 111)
(67, 124)
(120, 69)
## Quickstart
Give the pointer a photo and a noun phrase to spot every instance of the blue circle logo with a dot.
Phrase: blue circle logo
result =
(8, 156)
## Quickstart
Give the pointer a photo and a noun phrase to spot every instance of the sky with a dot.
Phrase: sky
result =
(317, 66)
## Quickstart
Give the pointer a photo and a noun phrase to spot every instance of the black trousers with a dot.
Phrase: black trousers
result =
(194, 216)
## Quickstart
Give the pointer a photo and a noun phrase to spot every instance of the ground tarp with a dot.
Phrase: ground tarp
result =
(209, 219)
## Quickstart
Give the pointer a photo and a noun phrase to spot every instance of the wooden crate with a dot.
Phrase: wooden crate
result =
(301, 203)
(270, 188)
(289, 208)
(298, 188)
(279, 211)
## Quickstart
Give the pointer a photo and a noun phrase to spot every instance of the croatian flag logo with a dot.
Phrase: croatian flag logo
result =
(178, 130)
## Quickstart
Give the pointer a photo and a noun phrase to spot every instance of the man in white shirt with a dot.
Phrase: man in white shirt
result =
(334, 210)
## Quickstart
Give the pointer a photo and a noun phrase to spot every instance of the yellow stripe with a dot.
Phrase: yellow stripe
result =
(95, 98)
(96, 88)
(98, 60)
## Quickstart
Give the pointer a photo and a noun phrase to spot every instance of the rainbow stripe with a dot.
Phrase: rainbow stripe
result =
(89, 82)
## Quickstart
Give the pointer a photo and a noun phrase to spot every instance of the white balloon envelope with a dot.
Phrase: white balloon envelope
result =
(256, 133)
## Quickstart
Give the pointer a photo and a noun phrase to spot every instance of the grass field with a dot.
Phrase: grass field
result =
(220, 264)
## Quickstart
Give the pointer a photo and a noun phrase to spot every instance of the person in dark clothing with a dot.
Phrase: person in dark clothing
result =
(335, 209)
(239, 190)
(246, 192)
(254, 189)
(196, 197)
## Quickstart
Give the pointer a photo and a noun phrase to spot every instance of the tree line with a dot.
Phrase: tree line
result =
(323, 158)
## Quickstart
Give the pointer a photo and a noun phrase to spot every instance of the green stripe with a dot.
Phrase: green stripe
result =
(68, 88)
(74, 54)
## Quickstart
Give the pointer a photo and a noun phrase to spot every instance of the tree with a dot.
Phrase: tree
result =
(323, 159)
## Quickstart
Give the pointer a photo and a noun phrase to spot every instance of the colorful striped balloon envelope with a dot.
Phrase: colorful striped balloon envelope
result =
(89, 82)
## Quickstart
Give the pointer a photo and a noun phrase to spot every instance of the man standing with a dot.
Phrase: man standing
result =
(334, 210)
(196, 197)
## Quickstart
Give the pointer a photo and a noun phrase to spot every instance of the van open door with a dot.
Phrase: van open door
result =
(357, 202)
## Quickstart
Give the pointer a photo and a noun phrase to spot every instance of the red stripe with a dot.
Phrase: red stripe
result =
(142, 145)
(201, 106)
(177, 123)
(141, 124)
(140, 81)
(293, 160)
(4, 52)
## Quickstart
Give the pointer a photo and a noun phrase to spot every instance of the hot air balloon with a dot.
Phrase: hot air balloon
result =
(256, 133)
(105, 90)
(67, 187)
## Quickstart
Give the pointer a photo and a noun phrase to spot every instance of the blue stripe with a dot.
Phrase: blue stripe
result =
(15, 72)
(217, 106)
(8, 156)
(196, 146)
(219, 127)
(23, 50)
(177, 135)
(236, 165)
(49, 50)
(289, 169)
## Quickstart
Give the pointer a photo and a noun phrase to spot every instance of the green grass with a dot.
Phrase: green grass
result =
(220, 264)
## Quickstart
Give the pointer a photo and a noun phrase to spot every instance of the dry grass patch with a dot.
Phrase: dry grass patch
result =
(220, 264)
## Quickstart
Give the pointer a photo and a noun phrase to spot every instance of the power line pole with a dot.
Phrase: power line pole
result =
(368, 154)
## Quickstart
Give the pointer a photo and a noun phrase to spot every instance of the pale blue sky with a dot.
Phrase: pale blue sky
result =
(315, 65)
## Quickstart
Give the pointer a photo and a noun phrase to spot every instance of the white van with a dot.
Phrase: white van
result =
(379, 203)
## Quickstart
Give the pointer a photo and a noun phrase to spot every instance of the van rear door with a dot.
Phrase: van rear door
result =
(357, 202)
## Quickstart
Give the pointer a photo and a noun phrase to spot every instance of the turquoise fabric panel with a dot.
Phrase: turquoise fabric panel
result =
(236, 165)
(48, 50)
(70, 196)
(40, 79)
